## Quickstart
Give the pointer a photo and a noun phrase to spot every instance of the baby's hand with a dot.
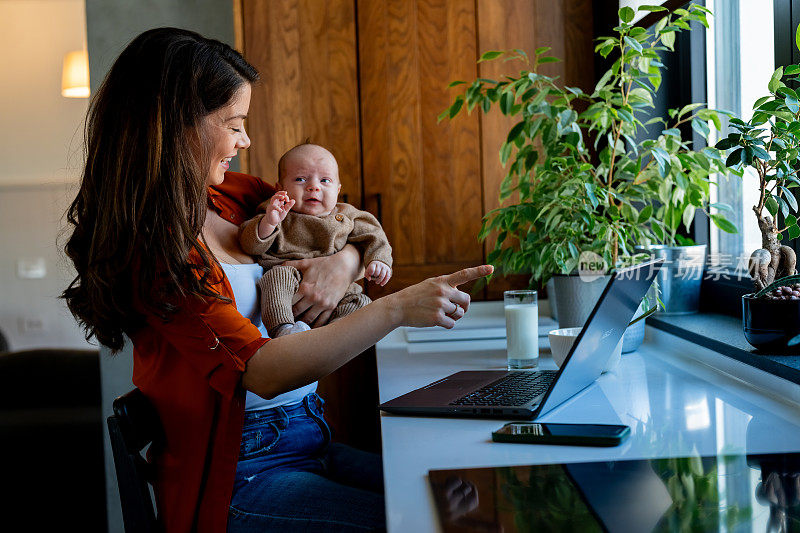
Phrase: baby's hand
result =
(378, 272)
(277, 209)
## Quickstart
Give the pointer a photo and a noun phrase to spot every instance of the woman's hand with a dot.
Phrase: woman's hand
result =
(436, 301)
(325, 280)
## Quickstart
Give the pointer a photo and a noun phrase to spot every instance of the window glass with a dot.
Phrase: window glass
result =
(739, 64)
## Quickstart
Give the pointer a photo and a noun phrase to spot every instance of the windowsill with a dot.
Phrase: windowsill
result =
(723, 334)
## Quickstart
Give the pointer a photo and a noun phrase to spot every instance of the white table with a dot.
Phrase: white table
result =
(678, 399)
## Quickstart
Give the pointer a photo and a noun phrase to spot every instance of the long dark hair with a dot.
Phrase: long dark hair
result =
(142, 199)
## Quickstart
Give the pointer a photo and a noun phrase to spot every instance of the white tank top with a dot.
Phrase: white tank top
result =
(243, 280)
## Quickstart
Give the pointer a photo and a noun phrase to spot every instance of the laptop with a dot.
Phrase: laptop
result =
(525, 394)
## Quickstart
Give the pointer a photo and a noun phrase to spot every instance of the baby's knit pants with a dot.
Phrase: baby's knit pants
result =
(279, 284)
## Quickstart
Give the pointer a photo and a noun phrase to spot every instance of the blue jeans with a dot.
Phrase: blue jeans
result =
(290, 477)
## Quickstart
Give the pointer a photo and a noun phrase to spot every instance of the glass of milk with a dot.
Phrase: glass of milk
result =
(522, 329)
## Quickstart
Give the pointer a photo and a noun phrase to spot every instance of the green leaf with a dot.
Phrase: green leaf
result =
(722, 207)
(633, 43)
(626, 14)
(668, 39)
(724, 224)
(456, 107)
(761, 153)
(797, 37)
(784, 205)
(734, 158)
(454, 83)
(548, 59)
(688, 108)
(688, 215)
(645, 214)
(515, 131)
(791, 220)
(603, 80)
(789, 197)
(775, 81)
(506, 102)
(772, 205)
(488, 56)
(662, 160)
(542, 49)
(791, 70)
(505, 153)
(590, 188)
(702, 160)
(652, 8)
(701, 127)
(728, 142)
(761, 101)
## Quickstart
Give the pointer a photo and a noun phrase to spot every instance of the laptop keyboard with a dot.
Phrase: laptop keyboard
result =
(513, 389)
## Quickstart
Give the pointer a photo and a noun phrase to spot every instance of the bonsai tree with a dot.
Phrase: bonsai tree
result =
(584, 183)
(769, 143)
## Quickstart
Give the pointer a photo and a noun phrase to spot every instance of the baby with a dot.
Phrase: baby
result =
(304, 220)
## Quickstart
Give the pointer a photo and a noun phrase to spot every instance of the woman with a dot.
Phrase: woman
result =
(155, 249)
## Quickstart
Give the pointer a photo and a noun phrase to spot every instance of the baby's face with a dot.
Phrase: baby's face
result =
(312, 180)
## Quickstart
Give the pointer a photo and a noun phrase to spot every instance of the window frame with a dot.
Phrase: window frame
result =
(722, 295)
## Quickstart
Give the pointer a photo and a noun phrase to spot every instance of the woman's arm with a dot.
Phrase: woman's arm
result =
(291, 361)
(325, 280)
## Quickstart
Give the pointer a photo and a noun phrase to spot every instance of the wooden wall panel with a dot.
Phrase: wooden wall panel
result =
(427, 174)
(566, 27)
(451, 159)
(306, 53)
(391, 140)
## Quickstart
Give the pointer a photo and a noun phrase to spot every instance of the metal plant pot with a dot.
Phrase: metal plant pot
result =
(680, 278)
(575, 298)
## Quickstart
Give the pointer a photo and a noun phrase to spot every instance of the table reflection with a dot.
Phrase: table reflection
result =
(742, 493)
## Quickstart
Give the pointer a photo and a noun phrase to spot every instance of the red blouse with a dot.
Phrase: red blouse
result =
(191, 368)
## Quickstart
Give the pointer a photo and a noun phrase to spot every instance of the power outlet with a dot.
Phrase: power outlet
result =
(31, 268)
(30, 325)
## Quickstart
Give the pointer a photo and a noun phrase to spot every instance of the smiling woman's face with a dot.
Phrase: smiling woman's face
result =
(225, 130)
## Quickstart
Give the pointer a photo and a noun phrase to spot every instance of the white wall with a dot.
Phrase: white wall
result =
(40, 130)
(31, 315)
(40, 150)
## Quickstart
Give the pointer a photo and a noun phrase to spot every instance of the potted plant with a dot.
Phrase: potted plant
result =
(681, 179)
(585, 190)
(769, 143)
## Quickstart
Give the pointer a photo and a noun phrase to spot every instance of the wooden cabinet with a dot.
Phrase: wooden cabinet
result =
(367, 79)
(305, 51)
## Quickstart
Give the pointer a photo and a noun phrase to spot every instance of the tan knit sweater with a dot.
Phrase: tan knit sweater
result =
(302, 236)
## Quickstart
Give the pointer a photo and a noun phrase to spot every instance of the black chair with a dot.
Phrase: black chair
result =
(51, 438)
(132, 427)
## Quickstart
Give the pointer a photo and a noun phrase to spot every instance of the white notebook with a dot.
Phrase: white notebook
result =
(487, 323)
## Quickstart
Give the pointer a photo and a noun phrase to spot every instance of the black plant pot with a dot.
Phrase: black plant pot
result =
(769, 325)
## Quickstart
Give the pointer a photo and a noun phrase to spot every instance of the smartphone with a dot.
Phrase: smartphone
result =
(570, 434)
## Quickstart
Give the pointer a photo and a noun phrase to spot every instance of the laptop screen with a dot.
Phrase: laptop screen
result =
(601, 333)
